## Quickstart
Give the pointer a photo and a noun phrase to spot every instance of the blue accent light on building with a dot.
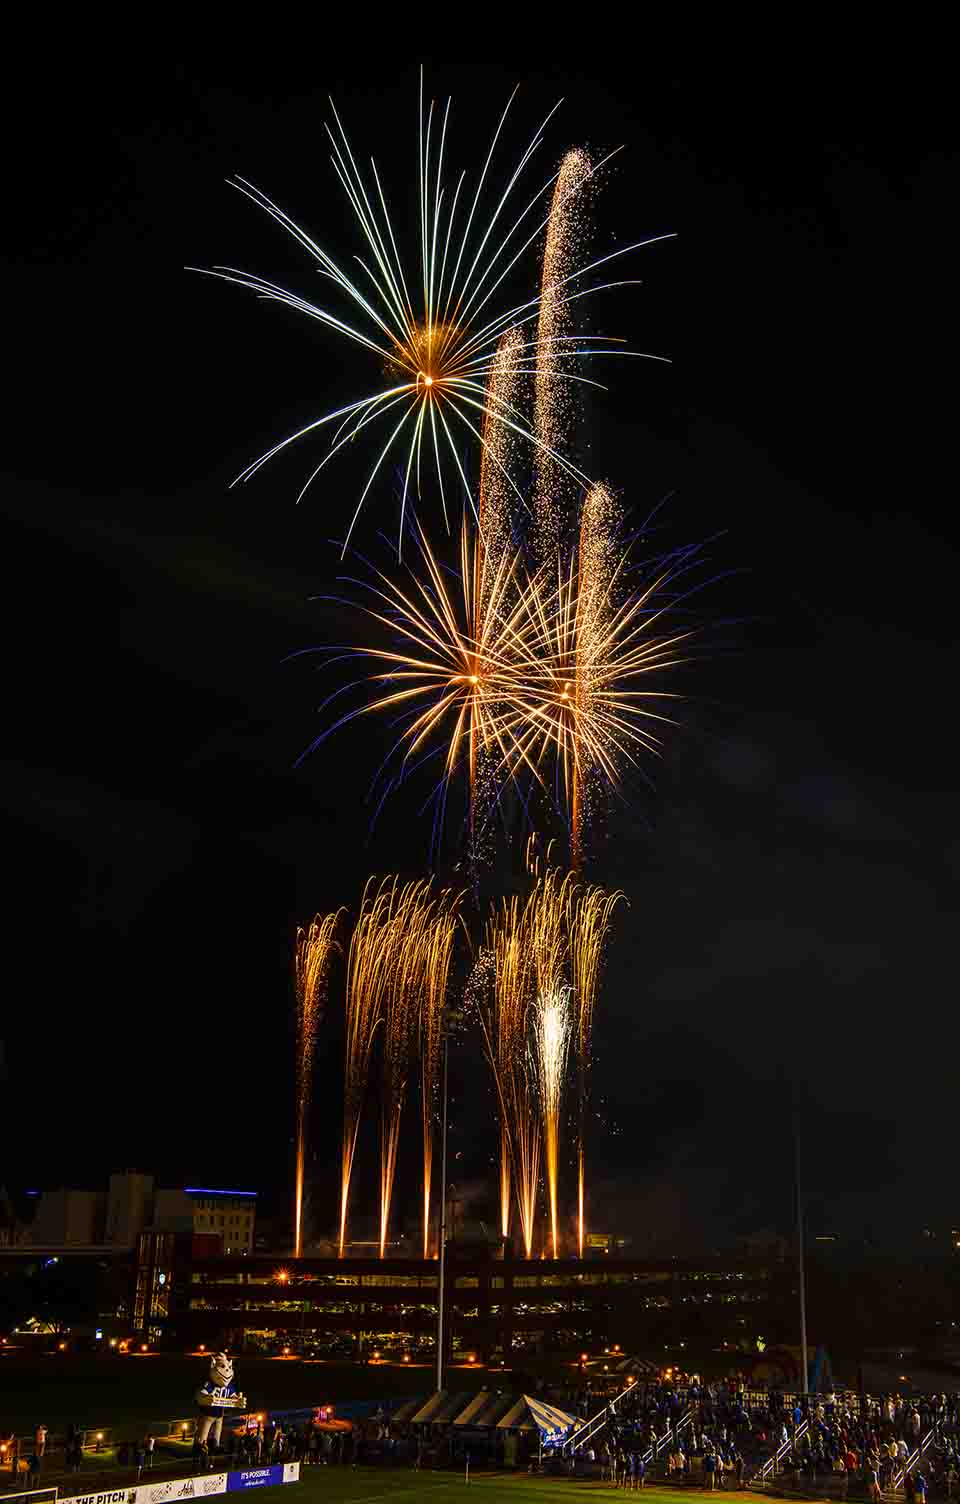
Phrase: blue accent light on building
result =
(205, 1190)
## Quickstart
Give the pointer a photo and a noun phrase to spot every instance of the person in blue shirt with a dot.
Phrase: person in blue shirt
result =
(919, 1487)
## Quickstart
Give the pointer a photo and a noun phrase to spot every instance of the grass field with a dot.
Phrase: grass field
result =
(320, 1485)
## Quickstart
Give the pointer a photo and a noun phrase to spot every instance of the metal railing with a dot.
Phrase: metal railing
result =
(772, 1464)
(896, 1482)
(596, 1423)
(669, 1438)
(592, 1427)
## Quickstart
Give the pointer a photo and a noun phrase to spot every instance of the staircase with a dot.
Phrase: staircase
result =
(591, 1428)
(771, 1467)
(590, 1431)
(896, 1489)
(652, 1455)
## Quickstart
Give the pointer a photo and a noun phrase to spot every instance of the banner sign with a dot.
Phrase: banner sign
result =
(175, 1489)
(107, 1496)
(264, 1477)
(201, 1486)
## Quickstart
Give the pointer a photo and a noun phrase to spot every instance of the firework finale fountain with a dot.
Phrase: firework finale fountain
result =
(536, 675)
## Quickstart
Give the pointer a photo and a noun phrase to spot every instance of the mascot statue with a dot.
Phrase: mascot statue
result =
(214, 1397)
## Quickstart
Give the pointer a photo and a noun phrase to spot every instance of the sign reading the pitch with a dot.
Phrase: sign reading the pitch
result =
(108, 1496)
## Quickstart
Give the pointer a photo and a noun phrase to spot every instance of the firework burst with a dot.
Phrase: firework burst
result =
(453, 674)
(434, 331)
(313, 952)
(594, 645)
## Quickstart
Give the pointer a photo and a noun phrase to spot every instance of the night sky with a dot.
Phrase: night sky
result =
(791, 868)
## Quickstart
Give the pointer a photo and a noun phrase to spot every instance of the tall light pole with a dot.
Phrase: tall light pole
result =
(803, 1293)
(804, 1370)
(443, 1205)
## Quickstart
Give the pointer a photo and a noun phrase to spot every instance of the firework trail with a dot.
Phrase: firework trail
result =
(553, 403)
(433, 329)
(589, 911)
(494, 545)
(597, 562)
(549, 1045)
(367, 979)
(314, 949)
(438, 954)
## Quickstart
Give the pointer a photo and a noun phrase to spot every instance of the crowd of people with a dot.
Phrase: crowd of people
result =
(721, 1436)
(718, 1436)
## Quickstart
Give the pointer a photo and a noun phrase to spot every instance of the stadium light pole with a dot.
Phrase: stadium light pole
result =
(804, 1368)
(443, 1206)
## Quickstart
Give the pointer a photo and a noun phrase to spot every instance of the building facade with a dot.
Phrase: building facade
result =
(496, 1307)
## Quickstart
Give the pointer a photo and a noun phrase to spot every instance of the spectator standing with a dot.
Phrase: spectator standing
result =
(40, 1440)
(139, 1458)
(920, 1488)
(149, 1443)
(872, 1477)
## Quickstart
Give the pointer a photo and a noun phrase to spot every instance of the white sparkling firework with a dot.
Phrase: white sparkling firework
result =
(434, 327)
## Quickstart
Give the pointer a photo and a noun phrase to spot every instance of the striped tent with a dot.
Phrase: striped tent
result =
(491, 1407)
(408, 1410)
(637, 1366)
(529, 1414)
(441, 1407)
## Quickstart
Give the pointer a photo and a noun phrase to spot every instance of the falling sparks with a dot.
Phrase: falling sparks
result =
(433, 327)
(366, 981)
(314, 950)
(589, 912)
(550, 1046)
(553, 408)
(505, 967)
